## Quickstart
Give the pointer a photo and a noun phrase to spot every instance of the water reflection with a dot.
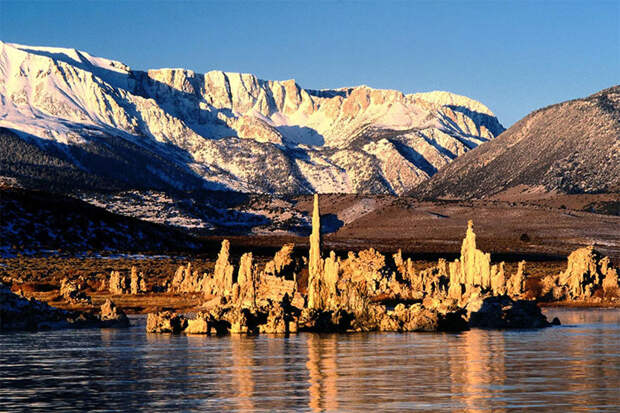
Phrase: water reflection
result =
(573, 367)
(322, 368)
(242, 361)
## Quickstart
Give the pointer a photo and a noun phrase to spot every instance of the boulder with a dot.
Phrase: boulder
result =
(502, 312)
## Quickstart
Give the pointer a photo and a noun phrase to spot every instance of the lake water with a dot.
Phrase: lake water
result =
(574, 367)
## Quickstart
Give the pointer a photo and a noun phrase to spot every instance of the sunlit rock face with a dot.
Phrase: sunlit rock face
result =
(119, 283)
(72, 291)
(315, 272)
(225, 130)
(473, 273)
(221, 283)
(475, 265)
(137, 281)
(186, 280)
(113, 315)
(588, 275)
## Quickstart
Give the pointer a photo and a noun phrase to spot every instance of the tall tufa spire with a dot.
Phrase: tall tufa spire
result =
(314, 262)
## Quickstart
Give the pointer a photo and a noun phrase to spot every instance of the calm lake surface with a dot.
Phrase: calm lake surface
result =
(574, 367)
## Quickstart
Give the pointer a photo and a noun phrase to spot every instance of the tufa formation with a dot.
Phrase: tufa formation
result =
(362, 292)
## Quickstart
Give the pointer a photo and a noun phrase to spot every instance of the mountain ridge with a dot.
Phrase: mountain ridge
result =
(234, 131)
(568, 147)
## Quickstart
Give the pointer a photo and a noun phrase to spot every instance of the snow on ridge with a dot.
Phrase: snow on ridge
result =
(238, 131)
(444, 98)
(77, 56)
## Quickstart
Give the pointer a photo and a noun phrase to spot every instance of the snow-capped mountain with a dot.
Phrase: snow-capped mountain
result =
(176, 129)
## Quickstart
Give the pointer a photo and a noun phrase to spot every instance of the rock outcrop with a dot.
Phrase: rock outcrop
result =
(137, 283)
(283, 263)
(247, 281)
(165, 322)
(516, 284)
(475, 264)
(71, 292)
(119, 283)
(364, 293)
(185, 280)
(587, 274)
(113, 316)
(220, 283)
(498, 279)
(473, 273)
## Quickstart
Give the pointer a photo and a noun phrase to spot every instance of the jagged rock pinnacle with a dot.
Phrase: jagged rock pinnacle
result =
(476, 265)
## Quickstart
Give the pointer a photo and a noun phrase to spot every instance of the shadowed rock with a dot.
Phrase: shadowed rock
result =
(18, 313)
(504, 313)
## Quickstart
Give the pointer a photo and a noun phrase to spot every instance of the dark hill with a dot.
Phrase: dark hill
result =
(571, 147)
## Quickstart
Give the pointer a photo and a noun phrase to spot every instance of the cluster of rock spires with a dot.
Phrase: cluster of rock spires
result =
(588, 273)
(72, 292)
(119, 283)
(367, 292)
(18, 313)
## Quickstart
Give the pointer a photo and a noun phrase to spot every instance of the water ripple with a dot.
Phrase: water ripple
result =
(575, 367)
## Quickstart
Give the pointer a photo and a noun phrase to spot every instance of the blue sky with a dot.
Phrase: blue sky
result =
(513, 56)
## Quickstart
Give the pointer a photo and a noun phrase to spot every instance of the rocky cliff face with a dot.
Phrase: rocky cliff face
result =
(173, 128)
(571, 147)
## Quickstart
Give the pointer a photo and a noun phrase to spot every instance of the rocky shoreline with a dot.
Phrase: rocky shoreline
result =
(18, 313)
